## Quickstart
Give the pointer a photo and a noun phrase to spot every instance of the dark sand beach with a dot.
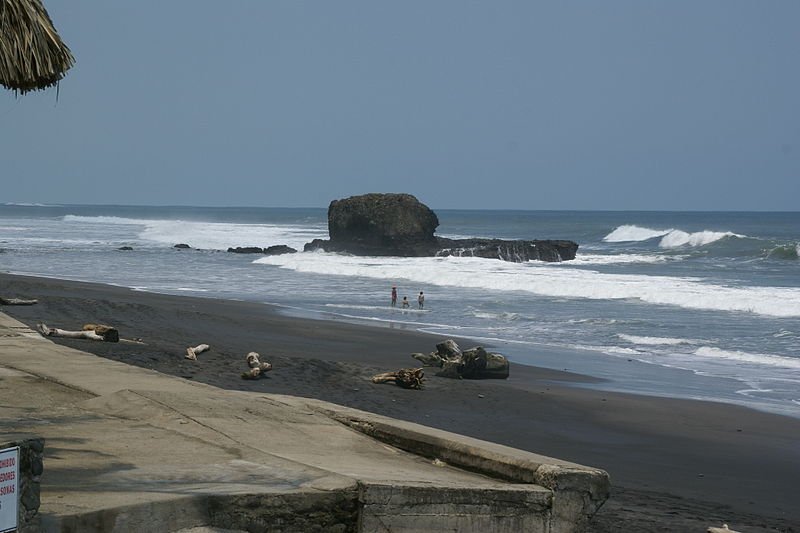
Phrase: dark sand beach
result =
(675, 465)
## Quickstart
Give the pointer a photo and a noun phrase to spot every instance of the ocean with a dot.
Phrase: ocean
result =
(702, 305)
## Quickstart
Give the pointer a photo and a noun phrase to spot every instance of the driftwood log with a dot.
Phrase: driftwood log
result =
(191, 352)
(723, 529)
(257, 368)
(407, 378)
(17, 301)
(93, 332)
(475, 363)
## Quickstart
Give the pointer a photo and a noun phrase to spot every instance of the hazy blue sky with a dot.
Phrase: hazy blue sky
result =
(529, 105)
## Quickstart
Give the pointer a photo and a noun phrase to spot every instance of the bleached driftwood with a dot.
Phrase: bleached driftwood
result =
(191, 352)
(723, 529)
(92, 332)
(109, 333)
(257, 368)
(408, 378)
(17, 301)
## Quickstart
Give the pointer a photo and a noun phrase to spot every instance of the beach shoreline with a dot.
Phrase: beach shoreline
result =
(674, 464)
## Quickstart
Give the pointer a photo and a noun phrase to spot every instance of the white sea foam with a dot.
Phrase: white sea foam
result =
(603, 259)
(630, 233)
(211, 235)
(746, 357)
(504, 316)
(521, 278)
(654, 341)
(385, 308)
(105, 220)
(610, 350)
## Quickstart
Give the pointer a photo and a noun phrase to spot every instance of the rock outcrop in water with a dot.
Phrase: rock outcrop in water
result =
(516, 251)
(400, 225)
(380, 224)
(277, 249)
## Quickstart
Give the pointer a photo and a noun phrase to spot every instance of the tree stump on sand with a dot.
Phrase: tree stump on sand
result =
(407, 378)
(431, 359)
(475, 363)
(448, 349)
(450, 369)
(480, 364)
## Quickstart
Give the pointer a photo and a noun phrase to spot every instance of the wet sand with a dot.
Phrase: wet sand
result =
(675, 465)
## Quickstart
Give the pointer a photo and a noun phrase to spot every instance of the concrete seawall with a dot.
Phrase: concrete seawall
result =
(128, 449)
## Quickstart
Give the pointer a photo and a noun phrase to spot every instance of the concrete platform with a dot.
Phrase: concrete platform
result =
(127, 449)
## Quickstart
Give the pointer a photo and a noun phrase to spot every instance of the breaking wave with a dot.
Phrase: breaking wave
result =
(670, 238)
(789, 251)
(630, 233)
(677, 238)
(608, 259)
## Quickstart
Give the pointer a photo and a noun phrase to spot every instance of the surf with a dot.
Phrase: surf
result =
(549, 280)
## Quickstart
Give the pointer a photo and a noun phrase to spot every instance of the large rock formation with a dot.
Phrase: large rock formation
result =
(380, 224)
(400, 225)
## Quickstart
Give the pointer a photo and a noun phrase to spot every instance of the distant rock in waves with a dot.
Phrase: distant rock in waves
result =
(400, 225)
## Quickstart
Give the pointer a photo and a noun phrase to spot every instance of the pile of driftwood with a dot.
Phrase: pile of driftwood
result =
(101, 332)
(475, 363)
(257, 368)
(408, 378)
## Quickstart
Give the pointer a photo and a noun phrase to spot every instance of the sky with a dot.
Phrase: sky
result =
(613, 105)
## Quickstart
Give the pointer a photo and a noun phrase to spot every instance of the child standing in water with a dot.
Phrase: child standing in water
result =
(421, 300)
(405, 301)
(394, 296)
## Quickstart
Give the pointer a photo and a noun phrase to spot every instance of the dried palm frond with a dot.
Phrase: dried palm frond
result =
(32, 55)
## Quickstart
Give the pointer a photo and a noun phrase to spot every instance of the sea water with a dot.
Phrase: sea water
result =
(683, 304)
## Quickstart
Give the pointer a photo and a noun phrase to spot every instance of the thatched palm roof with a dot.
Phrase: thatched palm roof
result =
(32, 55)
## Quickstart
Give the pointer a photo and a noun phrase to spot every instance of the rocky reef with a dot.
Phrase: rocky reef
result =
(277, 249)
(515, 251)
(388, 224)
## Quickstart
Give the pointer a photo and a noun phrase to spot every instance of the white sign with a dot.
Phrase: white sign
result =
(9, 489)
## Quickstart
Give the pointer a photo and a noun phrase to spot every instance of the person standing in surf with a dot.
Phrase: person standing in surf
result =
(421, 300)
(394, 296)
